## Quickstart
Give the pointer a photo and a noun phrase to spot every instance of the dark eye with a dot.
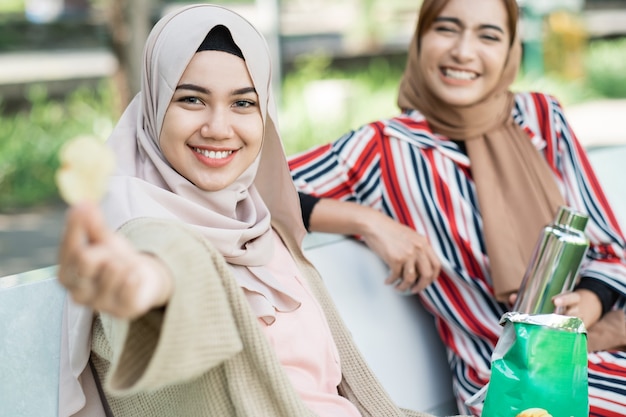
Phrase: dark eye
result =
(490, 37)
(190, 100)
(445, 28)
(244, 103)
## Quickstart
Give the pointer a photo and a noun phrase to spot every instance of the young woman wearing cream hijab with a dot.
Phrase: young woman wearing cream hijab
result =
(453, 194)
(204, 304)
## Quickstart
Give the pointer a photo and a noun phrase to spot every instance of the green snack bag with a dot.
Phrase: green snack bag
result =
(540, 361)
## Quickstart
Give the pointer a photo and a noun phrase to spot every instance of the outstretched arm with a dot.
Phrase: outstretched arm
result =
(407, 253)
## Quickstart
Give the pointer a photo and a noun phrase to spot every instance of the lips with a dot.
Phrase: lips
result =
(214, 158)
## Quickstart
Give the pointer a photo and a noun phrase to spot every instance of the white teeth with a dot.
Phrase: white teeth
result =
(459, 75)
(213, 154)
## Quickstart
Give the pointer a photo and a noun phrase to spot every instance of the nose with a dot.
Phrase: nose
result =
(217, 125)
(464, 48)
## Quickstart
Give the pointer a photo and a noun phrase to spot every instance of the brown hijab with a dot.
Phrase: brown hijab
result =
(516, 190)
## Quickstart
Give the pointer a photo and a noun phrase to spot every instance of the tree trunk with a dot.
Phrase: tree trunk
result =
(129, 22)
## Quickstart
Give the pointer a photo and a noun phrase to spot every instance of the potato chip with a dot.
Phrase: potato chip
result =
(86, 164)
(534, 412)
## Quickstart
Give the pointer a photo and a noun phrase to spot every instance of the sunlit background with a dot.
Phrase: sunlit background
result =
(69, 67)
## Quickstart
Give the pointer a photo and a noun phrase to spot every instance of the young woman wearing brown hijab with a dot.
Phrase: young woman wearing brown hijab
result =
(204, 303)
(453, 193)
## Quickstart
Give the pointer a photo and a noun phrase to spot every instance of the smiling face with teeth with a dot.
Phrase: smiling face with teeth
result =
(463, 52)
(213, 130)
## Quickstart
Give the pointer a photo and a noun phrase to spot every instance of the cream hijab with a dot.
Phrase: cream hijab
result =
(236, 219)
(517, 193)
(146, 185)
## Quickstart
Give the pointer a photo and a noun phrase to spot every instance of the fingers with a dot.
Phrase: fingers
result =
(581, 303)
(416, 273)
(84, 225)
(413, 264)
(72, 239)
(567, 304)
(96, 229)
(84, 228)
(429, 270)
(96, 270)
(405, 278)
(395, 273)
(566, 300)
(118, 280)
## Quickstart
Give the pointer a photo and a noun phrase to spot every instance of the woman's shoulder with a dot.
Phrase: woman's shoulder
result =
(540, 115)
(408, 122)
(412, 119)
(537, 111)
(536, 100)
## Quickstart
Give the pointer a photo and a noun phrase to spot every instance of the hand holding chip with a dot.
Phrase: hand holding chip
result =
(98, 267)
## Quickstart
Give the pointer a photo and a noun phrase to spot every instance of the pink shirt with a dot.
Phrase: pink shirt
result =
(304, 344)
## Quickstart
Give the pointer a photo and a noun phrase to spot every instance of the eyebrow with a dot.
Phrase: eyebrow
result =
(459, 23)
(194, 87)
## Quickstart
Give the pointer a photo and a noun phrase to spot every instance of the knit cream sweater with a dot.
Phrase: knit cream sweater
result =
(205, 353)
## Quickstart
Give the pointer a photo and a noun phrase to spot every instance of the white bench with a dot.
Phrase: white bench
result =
(609, 164)
(30, 340)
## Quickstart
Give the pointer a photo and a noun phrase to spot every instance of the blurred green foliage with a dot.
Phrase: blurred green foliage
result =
(321, 100)
(12, 6)
(606, 67)
(30, 141)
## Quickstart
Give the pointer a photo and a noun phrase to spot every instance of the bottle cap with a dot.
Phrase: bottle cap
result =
(568, 217)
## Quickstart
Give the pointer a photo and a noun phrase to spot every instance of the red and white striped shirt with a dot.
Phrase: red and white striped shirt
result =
(423, 180)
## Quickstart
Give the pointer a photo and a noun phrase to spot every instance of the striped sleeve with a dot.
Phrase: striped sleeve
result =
(346, 169)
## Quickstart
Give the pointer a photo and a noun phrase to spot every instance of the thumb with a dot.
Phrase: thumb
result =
(95, 228)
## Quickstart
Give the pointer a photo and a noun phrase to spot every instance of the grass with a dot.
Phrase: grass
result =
(320, 102)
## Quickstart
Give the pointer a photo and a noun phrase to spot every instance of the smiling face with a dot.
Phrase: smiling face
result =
(463, 52)
(213, 130)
